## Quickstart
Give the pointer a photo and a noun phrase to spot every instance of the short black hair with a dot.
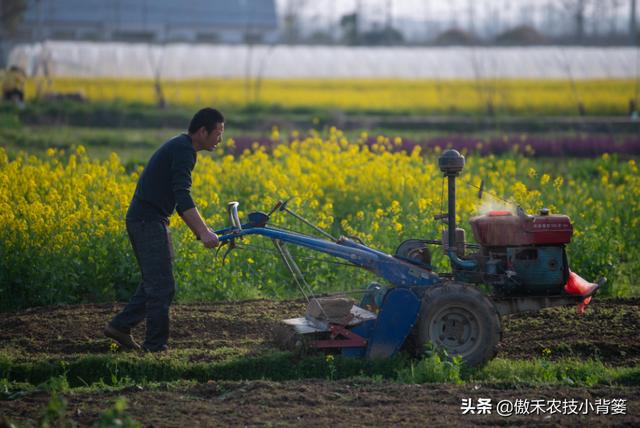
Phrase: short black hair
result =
(207, 117)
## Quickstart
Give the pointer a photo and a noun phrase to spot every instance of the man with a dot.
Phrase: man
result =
(163, 186)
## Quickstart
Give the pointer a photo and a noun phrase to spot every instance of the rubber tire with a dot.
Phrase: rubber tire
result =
(462, 302)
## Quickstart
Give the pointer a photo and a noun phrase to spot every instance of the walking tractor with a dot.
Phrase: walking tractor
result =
(520, 258)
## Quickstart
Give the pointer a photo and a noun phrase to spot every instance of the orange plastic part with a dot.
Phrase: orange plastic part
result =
(579, 286)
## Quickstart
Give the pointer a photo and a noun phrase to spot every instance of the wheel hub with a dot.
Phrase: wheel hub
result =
(456, 329)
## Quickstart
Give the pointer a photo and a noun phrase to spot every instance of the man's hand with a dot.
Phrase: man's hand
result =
(209, 239)
(199, 228)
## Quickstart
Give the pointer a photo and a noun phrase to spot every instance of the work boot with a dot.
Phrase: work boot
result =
(125, 340)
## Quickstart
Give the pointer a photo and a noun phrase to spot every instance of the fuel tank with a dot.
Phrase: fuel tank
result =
(505, 229)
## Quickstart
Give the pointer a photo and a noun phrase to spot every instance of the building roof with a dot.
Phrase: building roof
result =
(147, 14)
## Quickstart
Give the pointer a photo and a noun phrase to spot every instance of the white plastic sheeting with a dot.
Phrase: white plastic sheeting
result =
(183, 61)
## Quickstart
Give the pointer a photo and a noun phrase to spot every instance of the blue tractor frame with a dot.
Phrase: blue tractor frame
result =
(398, 306)
(448, 309)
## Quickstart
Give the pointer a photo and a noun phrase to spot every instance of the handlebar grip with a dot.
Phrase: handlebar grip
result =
(232, 209)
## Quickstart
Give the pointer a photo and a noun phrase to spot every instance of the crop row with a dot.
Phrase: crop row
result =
(62, 236)
(505, 96)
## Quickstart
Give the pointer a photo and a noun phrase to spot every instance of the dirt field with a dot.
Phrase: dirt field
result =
(608, 330)
(323, 403)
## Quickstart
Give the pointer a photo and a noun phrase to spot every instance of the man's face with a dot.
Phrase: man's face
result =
(211, 139)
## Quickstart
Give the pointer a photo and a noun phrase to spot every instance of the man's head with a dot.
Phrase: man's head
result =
(206, 129)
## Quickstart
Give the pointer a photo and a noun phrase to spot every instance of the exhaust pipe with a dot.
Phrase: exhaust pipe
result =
(451, 163)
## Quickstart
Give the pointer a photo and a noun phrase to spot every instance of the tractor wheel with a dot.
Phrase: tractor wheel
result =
(460, 319)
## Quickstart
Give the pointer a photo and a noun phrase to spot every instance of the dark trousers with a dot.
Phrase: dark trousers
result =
(153, 249)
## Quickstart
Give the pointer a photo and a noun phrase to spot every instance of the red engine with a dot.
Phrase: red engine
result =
(502, 228)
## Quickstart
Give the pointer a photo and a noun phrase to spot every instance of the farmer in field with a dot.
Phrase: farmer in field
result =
(13, 85)
(163, 186)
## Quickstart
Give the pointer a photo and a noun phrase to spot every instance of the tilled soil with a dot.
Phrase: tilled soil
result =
(212, 331)
(608, 330)
(66, 331)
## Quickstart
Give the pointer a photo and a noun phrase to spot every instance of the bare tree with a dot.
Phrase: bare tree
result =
(574, 88)
(291, 19)
(11, 12)
(155, 56)
(577, 10)
(471, 15)
(605, 17)
(613, 16)
(548, 19)
(633, 22)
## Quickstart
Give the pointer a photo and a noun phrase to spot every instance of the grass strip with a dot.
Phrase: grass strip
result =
(113, 370)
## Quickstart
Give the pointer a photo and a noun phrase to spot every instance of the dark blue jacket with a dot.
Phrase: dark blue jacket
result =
(165, 183)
